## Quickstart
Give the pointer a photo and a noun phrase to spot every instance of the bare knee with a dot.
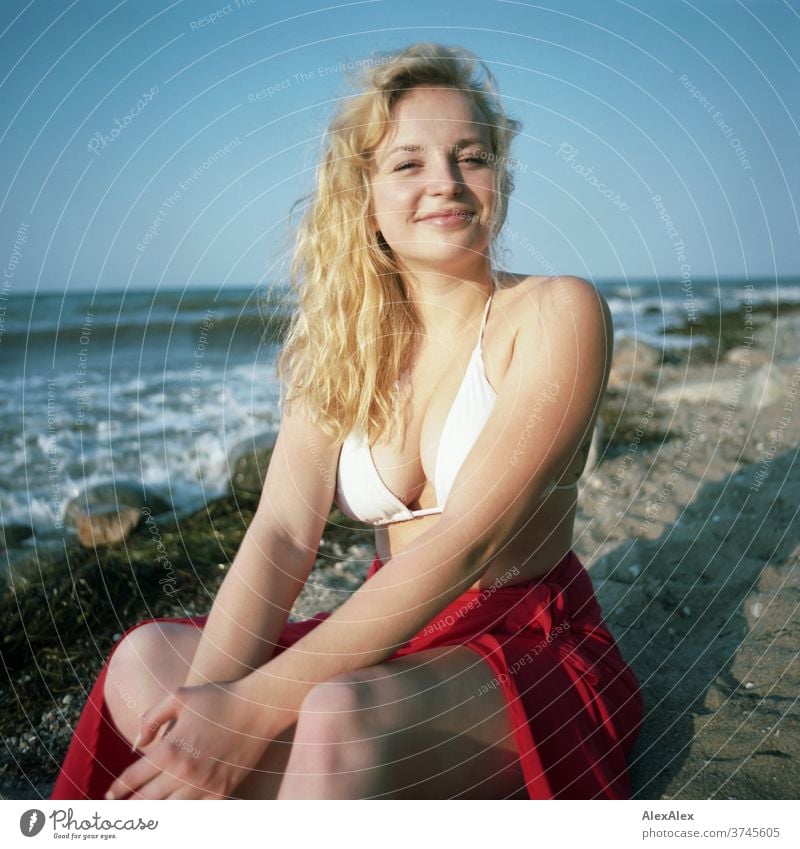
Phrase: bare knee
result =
(336, 751)
(334, 711)
(150, 660)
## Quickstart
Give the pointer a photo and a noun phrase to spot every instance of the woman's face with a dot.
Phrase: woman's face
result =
(434, 157)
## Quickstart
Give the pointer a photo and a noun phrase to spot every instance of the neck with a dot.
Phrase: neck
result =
(446, 304)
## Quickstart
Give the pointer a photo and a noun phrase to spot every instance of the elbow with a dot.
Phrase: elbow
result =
(471, 549)
(477, 536)
(485, 548)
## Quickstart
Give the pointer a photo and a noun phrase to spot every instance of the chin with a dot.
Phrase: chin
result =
(445, 247)
(455, 263)
(455, 253)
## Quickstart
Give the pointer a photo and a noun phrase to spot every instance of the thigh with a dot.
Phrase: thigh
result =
(441, 732)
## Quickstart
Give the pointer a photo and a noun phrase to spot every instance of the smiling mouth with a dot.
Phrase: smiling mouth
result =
(465, 215)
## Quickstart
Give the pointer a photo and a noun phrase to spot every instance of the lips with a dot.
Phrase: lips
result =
(448, 213)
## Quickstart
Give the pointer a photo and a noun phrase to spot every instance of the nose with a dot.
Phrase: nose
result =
(443, 176)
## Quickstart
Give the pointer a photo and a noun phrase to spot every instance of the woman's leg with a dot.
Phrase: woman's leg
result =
(154, 659)
(419, 726)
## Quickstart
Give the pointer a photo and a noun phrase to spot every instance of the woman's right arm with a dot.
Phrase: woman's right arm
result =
(276, 555)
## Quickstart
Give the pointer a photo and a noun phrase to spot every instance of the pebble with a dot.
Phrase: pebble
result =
(749, 685)
(686, 610)
(756, 608)
(634, 570)
(361, 552)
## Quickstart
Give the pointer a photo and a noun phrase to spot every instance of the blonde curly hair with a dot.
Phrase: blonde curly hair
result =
(349, 340)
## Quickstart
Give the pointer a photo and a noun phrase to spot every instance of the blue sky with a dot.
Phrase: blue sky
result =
(657, 136)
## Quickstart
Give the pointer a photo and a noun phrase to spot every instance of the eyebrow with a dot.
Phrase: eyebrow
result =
(415, 148)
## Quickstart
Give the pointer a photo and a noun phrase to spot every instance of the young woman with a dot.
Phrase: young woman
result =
(451, 406)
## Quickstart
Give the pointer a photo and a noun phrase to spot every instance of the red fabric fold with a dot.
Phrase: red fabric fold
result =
(574, 704)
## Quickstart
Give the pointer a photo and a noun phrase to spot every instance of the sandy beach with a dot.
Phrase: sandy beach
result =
(687, 522)
(692, 543)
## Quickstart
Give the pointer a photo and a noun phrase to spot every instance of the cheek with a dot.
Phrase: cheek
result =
(486, 185)
(394, 200)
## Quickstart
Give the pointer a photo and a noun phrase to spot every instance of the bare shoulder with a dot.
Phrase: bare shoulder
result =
(550, 291)
(547, 302)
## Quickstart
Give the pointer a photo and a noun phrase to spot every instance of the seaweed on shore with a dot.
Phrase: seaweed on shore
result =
(724, 330)
(62, 619)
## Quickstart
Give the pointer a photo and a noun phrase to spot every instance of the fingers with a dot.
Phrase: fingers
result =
(165, 711)
(185, 792)
(188, 791)
(134, 777)
(163, 786)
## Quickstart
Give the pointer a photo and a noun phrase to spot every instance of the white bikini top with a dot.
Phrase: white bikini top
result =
(360, 490)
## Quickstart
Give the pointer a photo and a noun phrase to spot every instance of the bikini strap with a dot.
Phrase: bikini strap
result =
(483, 321)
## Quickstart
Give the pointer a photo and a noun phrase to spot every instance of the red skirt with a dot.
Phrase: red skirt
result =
(574, 704)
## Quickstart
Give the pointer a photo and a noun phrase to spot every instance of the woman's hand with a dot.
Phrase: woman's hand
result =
(213, 737)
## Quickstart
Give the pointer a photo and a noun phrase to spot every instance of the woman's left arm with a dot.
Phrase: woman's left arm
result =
(385, 612)
(545, 410)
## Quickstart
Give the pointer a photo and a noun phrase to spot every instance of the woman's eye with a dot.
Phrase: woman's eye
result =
(477, 159)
